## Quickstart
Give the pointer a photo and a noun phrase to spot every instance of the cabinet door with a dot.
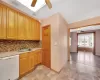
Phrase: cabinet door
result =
(35, 58)
(23, 63)
(37, 30)
(23, 66)
(31, 61)
(11, 27)
(21, 27)
(28, 28)
(3, 21)
(33, 29)
(40, 57)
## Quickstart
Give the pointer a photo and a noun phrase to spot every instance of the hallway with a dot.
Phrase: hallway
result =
(86, 58)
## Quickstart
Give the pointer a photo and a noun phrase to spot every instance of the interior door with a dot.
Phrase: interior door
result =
(46, 45)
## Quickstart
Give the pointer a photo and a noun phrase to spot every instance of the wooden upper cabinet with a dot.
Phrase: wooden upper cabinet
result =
(33, 29)
(11, 24)
(28, 28)
(21, 27)
(3, 21)
(17, 26)
(36, 29)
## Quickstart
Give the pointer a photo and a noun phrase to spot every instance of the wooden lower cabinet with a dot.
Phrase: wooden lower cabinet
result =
(23, 63)
(31, 61)
(28, 61)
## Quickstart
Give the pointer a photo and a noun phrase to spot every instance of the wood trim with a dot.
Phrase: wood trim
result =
(94, 44)
(84, 23)
(68, 45)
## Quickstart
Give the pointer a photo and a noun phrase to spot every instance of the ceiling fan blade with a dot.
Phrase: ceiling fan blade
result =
(33, 3)
(48, 3)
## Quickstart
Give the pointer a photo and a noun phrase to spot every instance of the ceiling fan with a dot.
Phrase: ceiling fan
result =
(46, 1)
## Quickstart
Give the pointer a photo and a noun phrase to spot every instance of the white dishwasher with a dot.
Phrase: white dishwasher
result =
(9, 68)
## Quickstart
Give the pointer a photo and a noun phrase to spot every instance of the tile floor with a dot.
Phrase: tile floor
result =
(86, 58)
(71, 71)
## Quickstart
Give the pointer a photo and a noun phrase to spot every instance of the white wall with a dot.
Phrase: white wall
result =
(62, 41)
(74, 42)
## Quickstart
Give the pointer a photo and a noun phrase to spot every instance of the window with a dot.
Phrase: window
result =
(27, 3)
(86, 40)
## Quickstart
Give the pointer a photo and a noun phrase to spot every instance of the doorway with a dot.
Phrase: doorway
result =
(86, 42)
(85, 45)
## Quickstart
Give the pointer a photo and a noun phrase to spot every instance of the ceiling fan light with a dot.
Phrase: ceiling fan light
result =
(33, 3)
(48, 3)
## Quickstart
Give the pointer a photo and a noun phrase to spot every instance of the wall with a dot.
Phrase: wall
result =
(53, 21)
(97, 51)
(74, 43)
(58, 59)
(12, 45)
(62, 41)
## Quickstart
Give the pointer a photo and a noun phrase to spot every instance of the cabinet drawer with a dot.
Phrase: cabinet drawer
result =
(23, 55)
(38, 51)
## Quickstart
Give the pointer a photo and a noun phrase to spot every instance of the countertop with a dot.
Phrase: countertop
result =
(13, 53)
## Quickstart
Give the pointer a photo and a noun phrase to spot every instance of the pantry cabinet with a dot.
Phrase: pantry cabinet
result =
(17, 26)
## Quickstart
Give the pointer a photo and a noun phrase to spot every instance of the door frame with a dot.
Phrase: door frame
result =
(84, 23)
(94, 40)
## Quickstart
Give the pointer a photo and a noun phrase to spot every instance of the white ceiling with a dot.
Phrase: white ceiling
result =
(71, 10)
(88, 28)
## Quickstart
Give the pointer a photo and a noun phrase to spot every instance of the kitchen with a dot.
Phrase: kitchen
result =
(26, 43)
(20, 51)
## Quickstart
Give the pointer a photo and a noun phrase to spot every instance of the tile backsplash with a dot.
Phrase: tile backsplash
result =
(11, 45)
